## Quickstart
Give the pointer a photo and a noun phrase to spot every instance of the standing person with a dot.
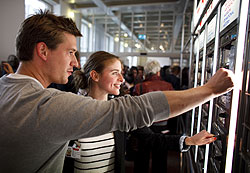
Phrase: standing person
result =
(146, 143)
(173, 77)
(101, 76)
(153, 81)
(37, 122)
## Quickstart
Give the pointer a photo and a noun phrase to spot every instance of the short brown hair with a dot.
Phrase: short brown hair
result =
(42, 27)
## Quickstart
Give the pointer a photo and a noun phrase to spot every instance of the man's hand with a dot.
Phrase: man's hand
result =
(201, 138)
(221, 82)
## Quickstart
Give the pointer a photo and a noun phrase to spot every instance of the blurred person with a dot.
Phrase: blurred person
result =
(140, 73)
(146, 143)
(185, 78)
(9, 66)
(153, 80)
(173, 77)
(43, 120)
(13, 61)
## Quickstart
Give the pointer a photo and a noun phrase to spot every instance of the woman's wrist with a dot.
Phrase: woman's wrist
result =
(188, 141)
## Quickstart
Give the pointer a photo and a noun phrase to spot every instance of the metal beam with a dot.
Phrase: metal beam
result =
(179, 21)
(117, 20)
(172, 55)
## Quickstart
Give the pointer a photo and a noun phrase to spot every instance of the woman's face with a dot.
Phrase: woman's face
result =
(110, 79)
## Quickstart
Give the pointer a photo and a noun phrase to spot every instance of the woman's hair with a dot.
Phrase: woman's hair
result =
(43, 27)
(97, 61)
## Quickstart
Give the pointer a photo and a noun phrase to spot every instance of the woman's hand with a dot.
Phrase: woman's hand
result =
(201, 138)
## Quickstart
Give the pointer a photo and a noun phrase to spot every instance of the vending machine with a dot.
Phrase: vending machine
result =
(221, 42)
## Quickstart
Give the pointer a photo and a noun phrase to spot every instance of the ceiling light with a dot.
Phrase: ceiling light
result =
(125, 44)
(116, 39)
(162, 24)
(71, 14)
(138, 46)
(89, 25)
(161, 47)
(125, 35)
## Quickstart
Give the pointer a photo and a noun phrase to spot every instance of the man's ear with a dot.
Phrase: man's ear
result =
(42, 50)
(94, 76)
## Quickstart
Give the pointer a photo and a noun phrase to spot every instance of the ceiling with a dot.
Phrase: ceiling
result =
(160, 20)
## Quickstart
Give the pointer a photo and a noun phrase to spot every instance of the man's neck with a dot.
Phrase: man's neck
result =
(28, 69)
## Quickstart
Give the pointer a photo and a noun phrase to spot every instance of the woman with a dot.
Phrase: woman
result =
(101, 76)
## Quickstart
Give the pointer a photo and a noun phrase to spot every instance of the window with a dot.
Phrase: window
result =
(84, 38)
(83, 60)
(32, 6)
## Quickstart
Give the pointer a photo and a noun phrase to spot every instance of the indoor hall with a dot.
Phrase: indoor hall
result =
(199, 36)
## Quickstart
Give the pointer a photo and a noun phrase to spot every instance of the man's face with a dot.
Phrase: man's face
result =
(62, 60)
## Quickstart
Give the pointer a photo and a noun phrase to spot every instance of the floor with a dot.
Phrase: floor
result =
(173, 163)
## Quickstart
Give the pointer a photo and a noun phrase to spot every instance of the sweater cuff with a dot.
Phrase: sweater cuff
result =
(183, 146)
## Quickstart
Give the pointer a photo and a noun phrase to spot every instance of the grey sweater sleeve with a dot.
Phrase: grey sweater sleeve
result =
(78, 116)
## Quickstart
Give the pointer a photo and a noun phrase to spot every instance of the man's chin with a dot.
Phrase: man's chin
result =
(62, 82)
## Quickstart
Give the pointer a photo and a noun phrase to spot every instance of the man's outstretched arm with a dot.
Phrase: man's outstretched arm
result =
(182, 101)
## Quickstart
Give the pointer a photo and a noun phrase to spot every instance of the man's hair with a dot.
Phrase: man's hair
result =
(152, 67)
(42, 27)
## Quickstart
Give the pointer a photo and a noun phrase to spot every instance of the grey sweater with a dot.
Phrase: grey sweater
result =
(36, 123)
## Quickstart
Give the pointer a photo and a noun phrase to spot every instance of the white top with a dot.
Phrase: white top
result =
(97, 154)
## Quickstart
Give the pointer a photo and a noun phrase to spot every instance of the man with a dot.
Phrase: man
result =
(173, 77)
(153, 81)
(37, 122)
(151, 140)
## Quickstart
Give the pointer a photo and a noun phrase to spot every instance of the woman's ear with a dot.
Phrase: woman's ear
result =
(42, 50)
(94, 76)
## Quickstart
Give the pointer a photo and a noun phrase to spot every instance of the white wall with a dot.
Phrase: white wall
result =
(12, 14)
(64, 11)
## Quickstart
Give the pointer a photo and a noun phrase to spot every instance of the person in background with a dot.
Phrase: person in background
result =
(10, 66)
(140, 73)
(153, 81)
(185, 78)
(6, 68)
(148, 144)
(38, 122)
(173, 77)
